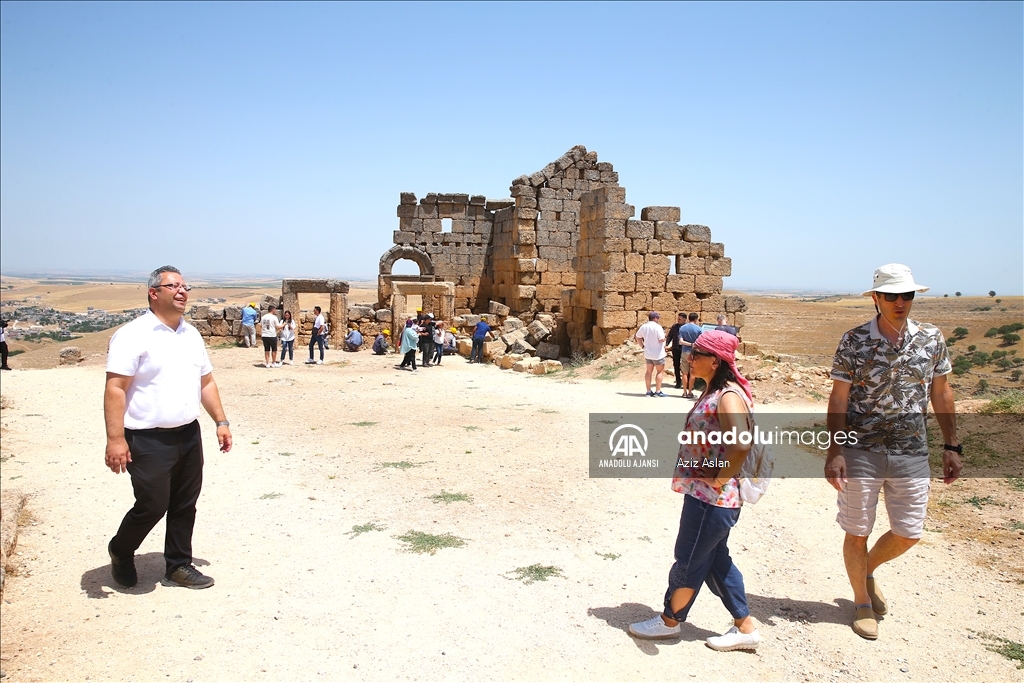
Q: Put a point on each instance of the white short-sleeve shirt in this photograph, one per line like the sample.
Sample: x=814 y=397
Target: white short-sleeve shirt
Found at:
x=166 y=367
x=653 y=336
x=268 y=325
x=318 y=323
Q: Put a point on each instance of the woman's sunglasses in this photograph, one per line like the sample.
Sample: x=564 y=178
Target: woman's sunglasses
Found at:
x=703 y=353
x=891 y=297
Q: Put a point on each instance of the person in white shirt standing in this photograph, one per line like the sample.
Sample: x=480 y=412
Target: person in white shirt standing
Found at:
x=319 y=332
x=269 y=327
x=288 y=338
x=652 y=335
x=158 y=374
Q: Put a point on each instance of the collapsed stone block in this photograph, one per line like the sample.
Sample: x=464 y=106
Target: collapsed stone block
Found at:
x=496 y=308
x=70 y=355
x=508 y=360
x=547 y=350
x=660 y=213
x=537 y=332
x=525 y=364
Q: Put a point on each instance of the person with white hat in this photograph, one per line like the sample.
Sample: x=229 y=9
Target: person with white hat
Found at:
x=884 y=373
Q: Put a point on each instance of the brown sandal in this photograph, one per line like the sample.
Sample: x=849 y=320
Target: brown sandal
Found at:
x=864 y=623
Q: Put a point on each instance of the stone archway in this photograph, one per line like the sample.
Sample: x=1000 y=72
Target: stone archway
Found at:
x=387 y=262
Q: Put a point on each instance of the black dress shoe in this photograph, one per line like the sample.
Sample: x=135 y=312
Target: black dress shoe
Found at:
x=122 y=568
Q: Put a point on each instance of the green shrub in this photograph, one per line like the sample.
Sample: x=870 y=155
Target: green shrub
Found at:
x=1010 y=339
x=992 y=332
x=960 y=332
x=1015 y=375
x=972 y=348
x=980 y=358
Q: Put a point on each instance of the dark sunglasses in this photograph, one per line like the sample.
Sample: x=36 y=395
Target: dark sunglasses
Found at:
x=890 y=297
x=703 y=353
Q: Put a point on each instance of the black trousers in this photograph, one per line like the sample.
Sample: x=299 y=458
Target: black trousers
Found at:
x=677 y=355
x=167 y=475
x=3 y=353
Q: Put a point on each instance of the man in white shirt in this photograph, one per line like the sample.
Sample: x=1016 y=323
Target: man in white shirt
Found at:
x=158 y=374
x=652 y=335
x=269 y=327
x=319 y=332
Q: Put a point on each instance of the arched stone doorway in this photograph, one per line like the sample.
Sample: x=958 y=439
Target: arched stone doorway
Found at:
x=387 y=262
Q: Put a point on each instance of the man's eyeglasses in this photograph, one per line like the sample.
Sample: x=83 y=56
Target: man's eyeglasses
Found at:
x=174 y=287
x=891 y=297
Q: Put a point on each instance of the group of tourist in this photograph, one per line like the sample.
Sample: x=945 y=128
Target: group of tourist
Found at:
x=679 y=341
x=159 y=373
x=284 y=329
x=428 y=336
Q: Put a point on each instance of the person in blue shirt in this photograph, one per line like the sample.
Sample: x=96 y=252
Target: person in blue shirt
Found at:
x=354 y=340
x=380 y=344
x=688 y=334
x=476 y=355
x=250 y=314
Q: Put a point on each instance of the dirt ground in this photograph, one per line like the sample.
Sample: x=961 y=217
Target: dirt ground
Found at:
x=303 y=594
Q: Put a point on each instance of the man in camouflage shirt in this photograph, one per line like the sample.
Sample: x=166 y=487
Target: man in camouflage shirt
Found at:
x=884 y=373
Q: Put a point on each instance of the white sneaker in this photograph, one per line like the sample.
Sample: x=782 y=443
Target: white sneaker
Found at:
x=276 y=365
x=310 y=362
x=734 y=640
x=654 y=628
x=319 y=362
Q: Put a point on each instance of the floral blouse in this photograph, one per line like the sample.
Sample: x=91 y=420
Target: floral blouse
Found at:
x=704 y=418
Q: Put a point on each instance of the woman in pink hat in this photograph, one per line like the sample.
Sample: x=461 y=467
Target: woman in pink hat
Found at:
x=708 y=476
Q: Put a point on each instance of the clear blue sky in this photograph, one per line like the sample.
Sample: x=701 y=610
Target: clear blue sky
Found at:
x=817 y=141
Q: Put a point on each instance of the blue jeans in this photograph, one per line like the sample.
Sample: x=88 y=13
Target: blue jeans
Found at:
x=702 y=556
x=314 y=341
x=477 y=353
x=288 y=349
x=438 y=353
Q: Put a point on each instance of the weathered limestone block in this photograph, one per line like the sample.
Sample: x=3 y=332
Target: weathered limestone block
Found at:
x=634 y=263
x=360 y=313
x=738 y=319
x=220 y=328
x=637 y=301
x=651 y=282
x=712 y=303
x=70 y=355
x=716 y=250
x=690 y=265
x=610 y=282
x=617 y=337
x=660 y=213
x=510 y=359
x=696 y=233
x=515 y=335
x=494 y=348
x=735 y=304
x=498 y=204
x=656 y=263
x=675 y=247
x=608 y=301
x=707 y=284
x=663 y=301
x=232 y=312
x=551 y=365
x=383 y=315
x=512 y=324
x=200 y=312
x=522 y=346
x=525 y=364
x=537 y=332
x=547 y=351
x=640 y=229
x=464 y=346
x=470 y=320
x=719 y=266
x=679 y=283
x=236 y=327
x=218 y=313
x=524 y=292
x=203 y=327
x=687 y=301
x=407 y=198
x=616 y=319
x=496 y=308
x=667 y=230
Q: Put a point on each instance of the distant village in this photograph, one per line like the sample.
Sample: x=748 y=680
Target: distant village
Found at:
x=29 y=321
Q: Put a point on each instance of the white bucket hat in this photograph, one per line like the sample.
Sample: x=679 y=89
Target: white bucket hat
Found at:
x=894 y=278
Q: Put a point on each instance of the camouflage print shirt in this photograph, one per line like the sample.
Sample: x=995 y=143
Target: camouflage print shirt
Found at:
x=891 y=384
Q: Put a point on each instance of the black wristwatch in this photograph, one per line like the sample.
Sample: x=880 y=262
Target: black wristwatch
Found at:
x=959 y=450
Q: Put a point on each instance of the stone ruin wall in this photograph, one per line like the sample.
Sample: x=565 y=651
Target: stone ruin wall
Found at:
x=566 y=245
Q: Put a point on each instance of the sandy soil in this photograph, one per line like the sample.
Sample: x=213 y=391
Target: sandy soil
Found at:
x=299 y=598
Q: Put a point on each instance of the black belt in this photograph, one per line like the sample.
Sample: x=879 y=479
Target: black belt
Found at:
x=154 y=430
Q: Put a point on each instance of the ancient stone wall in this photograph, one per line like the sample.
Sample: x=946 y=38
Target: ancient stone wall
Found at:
x=566 y=245
x=627 y=268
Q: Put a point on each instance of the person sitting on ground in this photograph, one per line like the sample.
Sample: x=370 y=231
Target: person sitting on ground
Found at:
x=449 y=342
x=380 y=344
x=354 y=339
x=722 y=327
